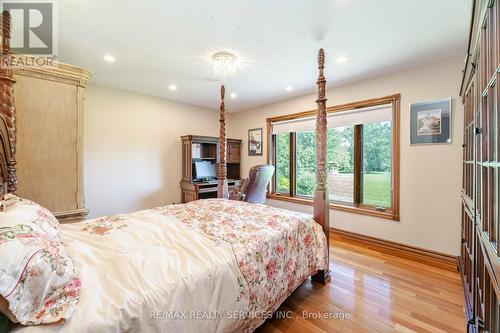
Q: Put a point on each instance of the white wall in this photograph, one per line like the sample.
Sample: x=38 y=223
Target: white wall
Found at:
x=133 y=148
x=430 y=175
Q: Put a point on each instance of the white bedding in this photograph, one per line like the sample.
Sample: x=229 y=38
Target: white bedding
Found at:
x=211 y=265
x=152 y=268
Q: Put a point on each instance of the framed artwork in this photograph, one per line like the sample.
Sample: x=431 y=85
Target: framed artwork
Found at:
x=430 y=122
x=255 y=142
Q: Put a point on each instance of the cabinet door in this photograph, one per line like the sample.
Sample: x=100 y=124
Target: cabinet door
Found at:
x=47 y=142
x=233 y=153
x=188 y=196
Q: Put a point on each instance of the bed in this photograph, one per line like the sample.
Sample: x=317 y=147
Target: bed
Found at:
x=211 y=265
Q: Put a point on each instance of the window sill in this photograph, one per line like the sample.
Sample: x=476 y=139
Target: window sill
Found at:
x=363 y=210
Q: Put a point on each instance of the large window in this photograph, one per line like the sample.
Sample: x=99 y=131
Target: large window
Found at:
x=362 y=157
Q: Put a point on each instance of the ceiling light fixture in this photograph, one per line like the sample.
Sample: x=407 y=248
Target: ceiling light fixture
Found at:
x=224 y=64
x=289 y=88
x=342 y=60
x=109 y=58
x=233 y=95
x=172 y=87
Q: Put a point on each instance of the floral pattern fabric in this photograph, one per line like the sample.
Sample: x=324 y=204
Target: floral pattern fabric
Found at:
x=276 y=250
x=18 y=207
x=150 y=276
x=37 y=277
x=225 y=255
x=105 y=224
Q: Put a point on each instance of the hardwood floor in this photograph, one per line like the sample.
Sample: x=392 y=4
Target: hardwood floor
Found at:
x=380 y=291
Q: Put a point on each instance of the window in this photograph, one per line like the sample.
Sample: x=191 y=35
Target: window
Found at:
x=362 y=157
x=306 y=163
x=282 y=165
x=376 y=169
x=340 y=158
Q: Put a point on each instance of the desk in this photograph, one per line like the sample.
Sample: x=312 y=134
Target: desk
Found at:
x=204 y=148
x=191 y=191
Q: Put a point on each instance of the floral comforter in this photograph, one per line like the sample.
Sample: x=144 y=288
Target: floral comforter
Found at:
x=147 y=272
x=276 y=249
x=206 y=266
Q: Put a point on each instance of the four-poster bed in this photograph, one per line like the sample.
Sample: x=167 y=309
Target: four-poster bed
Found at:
x=169 y=268
x=7 y=110
x=321 y=201
x=222 y=188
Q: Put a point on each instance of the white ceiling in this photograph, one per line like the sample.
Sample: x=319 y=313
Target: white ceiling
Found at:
x=162 y=42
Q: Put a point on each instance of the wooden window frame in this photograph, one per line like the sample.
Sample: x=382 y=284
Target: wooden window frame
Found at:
x=391 y=213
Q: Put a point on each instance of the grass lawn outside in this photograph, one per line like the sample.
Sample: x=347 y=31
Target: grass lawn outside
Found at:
x=377 y=189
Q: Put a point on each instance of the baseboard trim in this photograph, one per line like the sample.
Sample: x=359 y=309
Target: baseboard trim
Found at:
x=437 y=259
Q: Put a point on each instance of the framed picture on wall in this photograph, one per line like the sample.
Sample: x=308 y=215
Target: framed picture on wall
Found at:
x=430 y=122
x=255 y=142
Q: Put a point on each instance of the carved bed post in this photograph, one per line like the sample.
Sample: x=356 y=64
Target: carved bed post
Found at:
x=7 y=109
x=222 y=189
x=321 y=201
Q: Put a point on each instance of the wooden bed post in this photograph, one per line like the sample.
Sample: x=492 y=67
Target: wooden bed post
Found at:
x=7 y=109
x=222 y=188
x=321 y=201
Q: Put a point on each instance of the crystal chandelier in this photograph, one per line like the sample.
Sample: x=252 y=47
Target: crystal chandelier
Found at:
x=224 y=64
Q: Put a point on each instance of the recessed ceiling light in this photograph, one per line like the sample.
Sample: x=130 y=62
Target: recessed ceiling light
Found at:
x=233 y=95
x=109 y=58
x=289 y=88
x=172 y=87
x=342 y=60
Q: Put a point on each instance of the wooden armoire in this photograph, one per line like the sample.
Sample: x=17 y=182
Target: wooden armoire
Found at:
x=49 y=111
x=479 y=262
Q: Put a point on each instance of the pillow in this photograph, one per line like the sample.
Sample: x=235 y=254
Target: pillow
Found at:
x=37 y=278
x=29 y=210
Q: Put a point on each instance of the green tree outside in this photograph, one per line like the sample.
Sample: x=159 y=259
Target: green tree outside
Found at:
x=340 y=159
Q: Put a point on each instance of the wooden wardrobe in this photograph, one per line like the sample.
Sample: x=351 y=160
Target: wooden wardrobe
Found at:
x=49 y=110
x=480 y=253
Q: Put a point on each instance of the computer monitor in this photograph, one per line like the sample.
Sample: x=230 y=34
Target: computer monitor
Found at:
x=204 y=170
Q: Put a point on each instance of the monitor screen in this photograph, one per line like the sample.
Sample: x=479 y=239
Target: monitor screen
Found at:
x=204 y=169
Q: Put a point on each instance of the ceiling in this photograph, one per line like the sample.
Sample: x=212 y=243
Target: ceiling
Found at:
x=161 y=42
